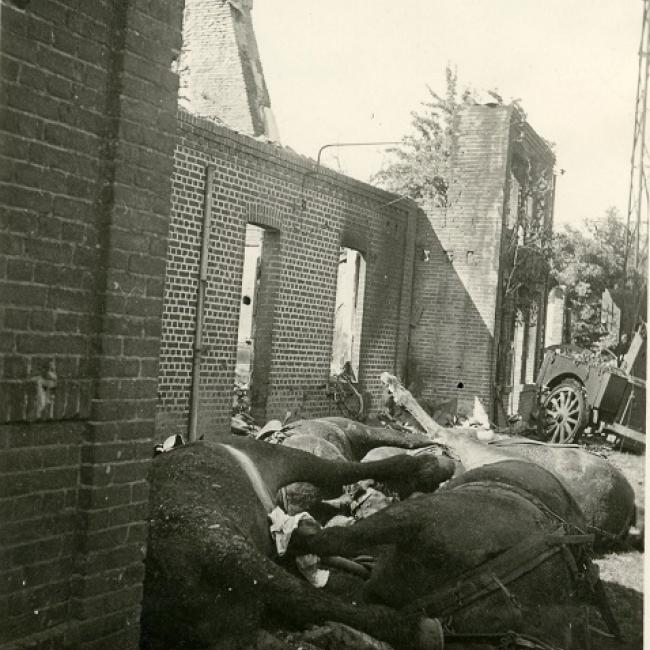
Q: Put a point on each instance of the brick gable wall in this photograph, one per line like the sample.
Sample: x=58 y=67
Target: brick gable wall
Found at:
x=456 y=281
x=221 y=73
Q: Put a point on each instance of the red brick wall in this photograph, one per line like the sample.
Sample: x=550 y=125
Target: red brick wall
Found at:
x=86 y=136
x=457 y=268
x=314 y=214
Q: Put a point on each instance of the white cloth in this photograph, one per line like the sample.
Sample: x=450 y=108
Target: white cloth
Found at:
x=308 y=565
x=282 y=527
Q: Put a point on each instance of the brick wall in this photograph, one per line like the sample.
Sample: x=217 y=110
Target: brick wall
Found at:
x=313 y=214
x=86 y=136
x=457 y=268
x=269 y=299
x=462 y=320
x=39 y=466
x=220 y=69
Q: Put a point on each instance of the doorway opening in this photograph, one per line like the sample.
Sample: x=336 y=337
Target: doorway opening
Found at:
x=350 y=290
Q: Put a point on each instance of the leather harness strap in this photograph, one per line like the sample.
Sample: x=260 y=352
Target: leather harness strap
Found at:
x=501 y=570
x=513 y=563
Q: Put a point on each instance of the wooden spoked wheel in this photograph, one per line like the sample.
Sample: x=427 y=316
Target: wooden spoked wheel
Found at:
x=565 y=412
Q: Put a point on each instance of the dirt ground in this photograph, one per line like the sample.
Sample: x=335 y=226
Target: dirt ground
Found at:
x=622 y=571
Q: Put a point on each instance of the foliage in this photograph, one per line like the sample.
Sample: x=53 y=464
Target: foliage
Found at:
x=420 y=167
x=586 y=262
x=528 y=244
x=422 y=170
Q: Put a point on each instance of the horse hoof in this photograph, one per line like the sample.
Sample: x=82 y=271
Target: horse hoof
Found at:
x=430 y=635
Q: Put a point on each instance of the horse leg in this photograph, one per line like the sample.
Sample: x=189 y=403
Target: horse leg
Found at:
x=233 y=572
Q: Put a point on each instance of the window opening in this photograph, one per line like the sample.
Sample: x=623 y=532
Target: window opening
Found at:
x=260 y=280
x=249 y=289
x=350 y=290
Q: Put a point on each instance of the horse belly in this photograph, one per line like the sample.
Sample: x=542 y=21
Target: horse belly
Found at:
x=463 y=530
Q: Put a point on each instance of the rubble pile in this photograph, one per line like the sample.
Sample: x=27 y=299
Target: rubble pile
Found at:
x=241 y=421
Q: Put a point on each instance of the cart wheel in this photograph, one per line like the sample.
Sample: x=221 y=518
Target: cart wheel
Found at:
x=565 y=412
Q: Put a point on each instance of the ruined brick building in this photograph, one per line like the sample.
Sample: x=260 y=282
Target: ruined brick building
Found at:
x=220 y=69
x=467 y=337
x=480 y=279
x=306 y=214
x=103 y=198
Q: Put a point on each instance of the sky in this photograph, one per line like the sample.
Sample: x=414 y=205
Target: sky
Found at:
x=353 y=70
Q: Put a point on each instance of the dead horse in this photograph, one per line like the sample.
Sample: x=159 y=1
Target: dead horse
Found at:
x=209 y=572
x=501 y=547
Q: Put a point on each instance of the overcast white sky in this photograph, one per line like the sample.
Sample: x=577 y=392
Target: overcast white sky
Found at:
x=352 y=70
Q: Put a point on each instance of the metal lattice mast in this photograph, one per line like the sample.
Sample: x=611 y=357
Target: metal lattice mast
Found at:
x=638 y=199
x=638 y=207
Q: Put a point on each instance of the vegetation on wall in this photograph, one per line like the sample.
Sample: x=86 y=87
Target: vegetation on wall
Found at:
x=528 y=248
x=420 y=168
